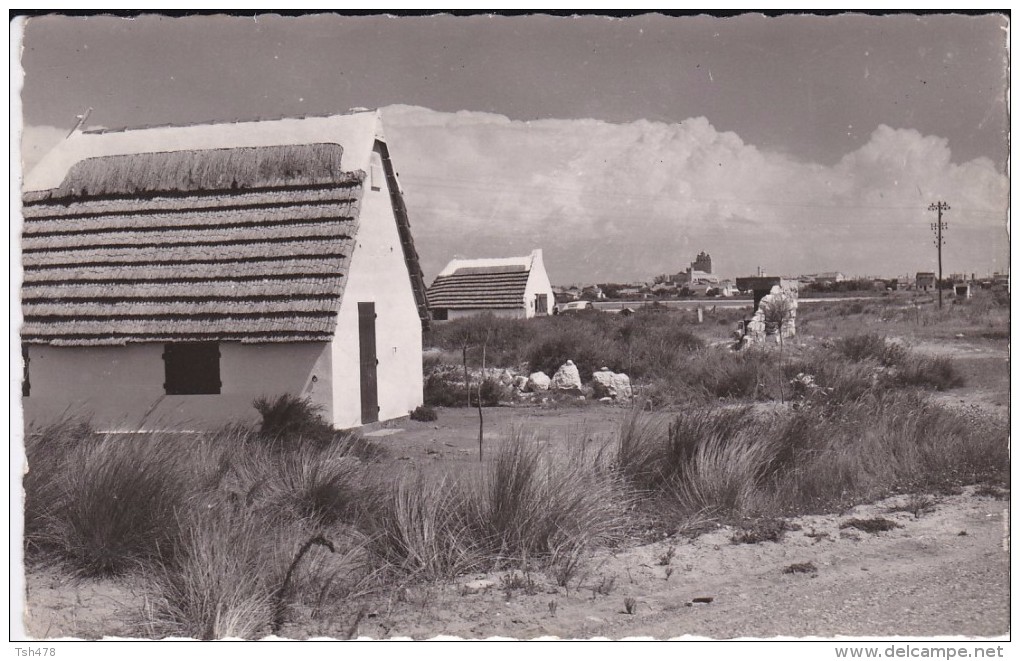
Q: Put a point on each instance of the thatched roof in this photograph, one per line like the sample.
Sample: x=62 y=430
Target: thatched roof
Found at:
x=479 y=288
x=249 y=244
x=203 y=170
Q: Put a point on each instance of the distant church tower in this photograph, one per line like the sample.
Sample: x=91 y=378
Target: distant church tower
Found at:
x=703 y=263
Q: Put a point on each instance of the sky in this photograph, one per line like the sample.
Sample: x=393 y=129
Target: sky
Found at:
x=621 y=147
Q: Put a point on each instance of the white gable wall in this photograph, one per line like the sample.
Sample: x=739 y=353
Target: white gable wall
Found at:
x=538 y=283
x=378 y=274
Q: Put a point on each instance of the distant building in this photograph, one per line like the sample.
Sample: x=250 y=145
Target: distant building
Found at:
x=962 y=290
x=832 y=276
x=924 y=280
x=506 y=287
x=703 y=263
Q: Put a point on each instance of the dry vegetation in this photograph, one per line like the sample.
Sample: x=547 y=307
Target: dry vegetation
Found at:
x=240 y=531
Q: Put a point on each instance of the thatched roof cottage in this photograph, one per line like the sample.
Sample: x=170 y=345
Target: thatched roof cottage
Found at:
x=506 y=287
x=172 y=275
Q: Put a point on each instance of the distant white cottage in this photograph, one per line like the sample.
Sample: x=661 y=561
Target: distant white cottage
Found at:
x=506 y=287
x=172 y=275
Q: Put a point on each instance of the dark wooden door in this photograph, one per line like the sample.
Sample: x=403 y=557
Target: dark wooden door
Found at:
x=369 y=363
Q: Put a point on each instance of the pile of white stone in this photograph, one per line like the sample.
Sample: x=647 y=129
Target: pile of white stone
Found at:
x=606 y=385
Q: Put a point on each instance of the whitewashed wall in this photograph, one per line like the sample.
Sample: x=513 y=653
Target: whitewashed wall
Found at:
x=122 y=387
x=378 y=274
x=538 y=283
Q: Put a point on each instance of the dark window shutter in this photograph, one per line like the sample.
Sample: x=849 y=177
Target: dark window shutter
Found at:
x=192 y=368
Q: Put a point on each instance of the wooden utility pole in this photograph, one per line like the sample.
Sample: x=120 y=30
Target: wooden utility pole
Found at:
x=939 y=206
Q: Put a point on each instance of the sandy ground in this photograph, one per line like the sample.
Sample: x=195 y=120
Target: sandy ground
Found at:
x=943 y=573
x=924 y=579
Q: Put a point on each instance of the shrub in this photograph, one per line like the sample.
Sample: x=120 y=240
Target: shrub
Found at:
x=225 y=583
x=117 y=505
x=423 y=528
x=288 y=417
x=810 y=459
x=871 y=346
x=424 y=413
x=47 y=449
x=530 y=505
x=935 y=372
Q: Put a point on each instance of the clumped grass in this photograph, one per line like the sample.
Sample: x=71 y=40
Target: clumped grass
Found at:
x=47 y=451
x=872 y=346
x=424 y=413
x=737 y=462
x=991 y=491
x=874 y=525
x=111 y=506
x=801 y=568
x=933 y=372
x=535 y=505
x=224 y=586
x=761 y=530
x=424 y=528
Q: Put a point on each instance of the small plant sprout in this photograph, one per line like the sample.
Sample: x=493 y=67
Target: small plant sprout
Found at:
x=669 y=572
x=630 y=605
x=552 y=607
x=667 y=557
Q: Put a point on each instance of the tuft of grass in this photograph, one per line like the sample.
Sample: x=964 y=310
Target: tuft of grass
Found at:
x=424 y=413
x=873 y=525
x=916 y=504
x=991 y=491
x=801 y=568
x=224 y=587
x=534 y=505
x=630 y=605
x=47 y=450
x=933 y=372
x=424 y=528
x=761 y=530
x=113 y=505
x=872 y=346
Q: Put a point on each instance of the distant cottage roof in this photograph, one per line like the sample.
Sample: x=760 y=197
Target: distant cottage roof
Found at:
x=250 y=244
x=481 y=283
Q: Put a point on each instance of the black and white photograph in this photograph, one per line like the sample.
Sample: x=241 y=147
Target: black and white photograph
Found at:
x=514 y=326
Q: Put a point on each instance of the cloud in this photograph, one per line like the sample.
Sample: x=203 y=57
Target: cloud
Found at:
x=626 y=201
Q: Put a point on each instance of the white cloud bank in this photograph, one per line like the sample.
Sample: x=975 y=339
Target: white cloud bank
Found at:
x=628 y=201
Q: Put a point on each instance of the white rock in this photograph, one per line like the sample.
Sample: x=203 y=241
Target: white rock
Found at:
x=567 y=377
x=609 y=384
x=538 y=382
x=602 y=382
x=622 y=387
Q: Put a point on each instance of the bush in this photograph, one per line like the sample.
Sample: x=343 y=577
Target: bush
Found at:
x=47 y=449
x=114 y=505
x=871 y=346
x=226 y=582
x=534 y=506
x=935 y=372
x=424 y=413
x=289 y=417
x=810 y=459
x=424 y=528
